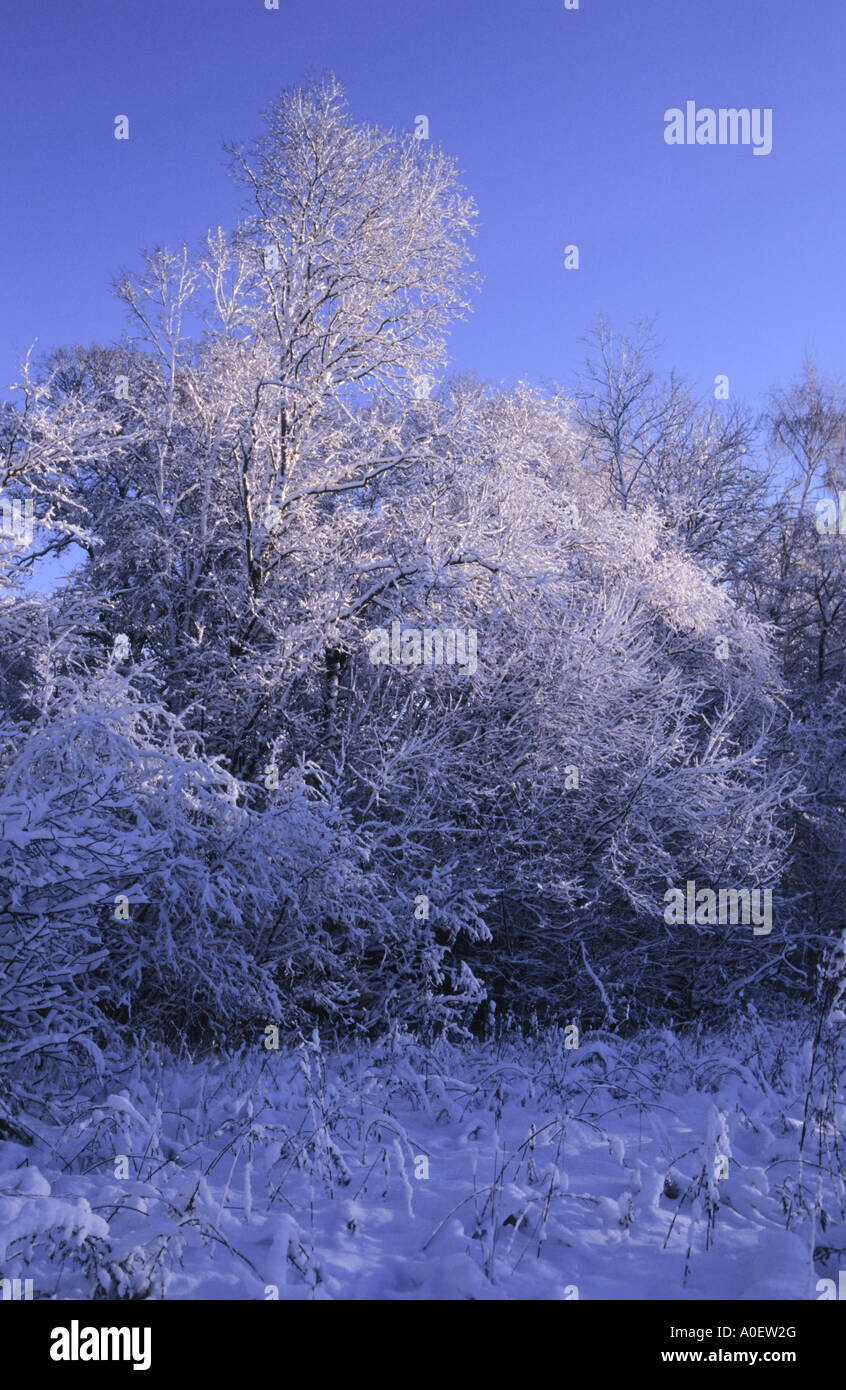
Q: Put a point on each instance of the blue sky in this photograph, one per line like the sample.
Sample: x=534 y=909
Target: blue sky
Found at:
x=556 y=117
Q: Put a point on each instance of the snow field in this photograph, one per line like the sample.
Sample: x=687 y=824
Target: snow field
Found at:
x=653 y=1169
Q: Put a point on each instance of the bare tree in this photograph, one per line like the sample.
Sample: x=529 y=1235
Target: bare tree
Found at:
x=655 y=443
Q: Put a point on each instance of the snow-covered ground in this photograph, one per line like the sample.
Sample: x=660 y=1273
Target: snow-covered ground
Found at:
x=654 y=1169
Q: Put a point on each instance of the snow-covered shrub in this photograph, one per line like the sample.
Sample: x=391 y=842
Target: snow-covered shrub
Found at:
x=56 y=855
x=150 y=890
x=36 y=1224
x=130 y=830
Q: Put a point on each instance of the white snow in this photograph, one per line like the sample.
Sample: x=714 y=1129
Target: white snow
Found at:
x=517 y=1170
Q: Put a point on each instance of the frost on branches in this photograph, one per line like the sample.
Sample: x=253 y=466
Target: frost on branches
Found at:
x=219 y=816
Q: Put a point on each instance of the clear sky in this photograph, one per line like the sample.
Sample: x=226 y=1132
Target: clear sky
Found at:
x=556 y=117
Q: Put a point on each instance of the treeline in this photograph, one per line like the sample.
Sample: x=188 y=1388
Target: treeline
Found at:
x=219 y=812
